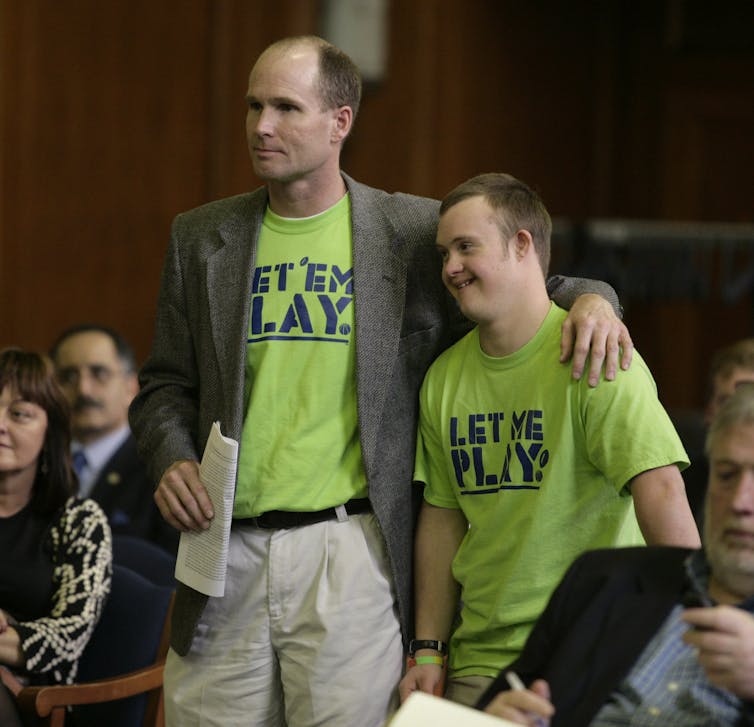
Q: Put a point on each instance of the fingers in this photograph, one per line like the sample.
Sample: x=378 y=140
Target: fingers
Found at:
x=723 y=638
x=542 y=688
x=182 y=498
x=702 y=618
x=722 y=618
x=590 y=343
x=408 y=685
x=424 y=678
x=706 y=634
x=626 y=345
x=719 y=621
x=619 y=349
x=522 y=707
x=600 y=337
x=567 y=336
x=603 y=342
x=729 y=670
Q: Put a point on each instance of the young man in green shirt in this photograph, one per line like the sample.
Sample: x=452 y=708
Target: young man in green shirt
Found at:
x=524 y=468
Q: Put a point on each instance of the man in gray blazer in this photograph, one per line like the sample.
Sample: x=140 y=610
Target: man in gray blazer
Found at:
x=303 y=317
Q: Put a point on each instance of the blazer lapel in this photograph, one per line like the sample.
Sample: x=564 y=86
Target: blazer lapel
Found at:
x=379 y=292
x=229 y=278
x=632 y=622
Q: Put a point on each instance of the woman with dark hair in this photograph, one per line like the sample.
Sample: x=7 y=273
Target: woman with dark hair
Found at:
x=55 y=549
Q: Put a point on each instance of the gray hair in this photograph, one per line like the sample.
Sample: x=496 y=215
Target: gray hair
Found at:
x=737 y=410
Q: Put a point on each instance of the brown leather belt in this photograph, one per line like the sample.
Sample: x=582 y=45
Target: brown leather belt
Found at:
x=284 y=519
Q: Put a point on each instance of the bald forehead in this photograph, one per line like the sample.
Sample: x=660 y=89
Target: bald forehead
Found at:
x=293 y=45
x=286 y=76
x=300 y=51
x=294 y=65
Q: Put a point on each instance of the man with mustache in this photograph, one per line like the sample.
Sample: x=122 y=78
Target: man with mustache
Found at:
x=96 y=368
x=654 y=635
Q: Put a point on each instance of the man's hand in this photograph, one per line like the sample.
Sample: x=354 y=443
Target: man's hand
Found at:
x=182 y=498
x=526 y=706
x=420 y=678
x=593 y=328
x=724 y=639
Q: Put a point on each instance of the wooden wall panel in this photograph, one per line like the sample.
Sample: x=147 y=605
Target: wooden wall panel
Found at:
x=105 y=136
x=706 y=174
x=484 y=86
x=394 y=142
x=687 y=135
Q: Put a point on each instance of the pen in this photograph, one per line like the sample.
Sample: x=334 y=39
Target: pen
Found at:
x=514 y=682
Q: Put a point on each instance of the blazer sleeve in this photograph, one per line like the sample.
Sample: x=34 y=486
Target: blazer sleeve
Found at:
x=164 y=414
x=564 y=291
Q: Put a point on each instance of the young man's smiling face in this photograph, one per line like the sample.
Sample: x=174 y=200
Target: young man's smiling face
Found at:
x=477 y=261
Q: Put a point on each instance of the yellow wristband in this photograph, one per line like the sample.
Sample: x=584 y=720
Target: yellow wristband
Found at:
x=429 y=660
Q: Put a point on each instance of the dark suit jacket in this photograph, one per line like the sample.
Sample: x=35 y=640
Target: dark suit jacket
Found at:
x=604 y=612
x=125 y=491
x=403 y=319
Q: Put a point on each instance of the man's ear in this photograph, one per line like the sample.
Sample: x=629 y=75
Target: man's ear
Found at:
x=343 y=118
x=132 y=384
x=522 y=244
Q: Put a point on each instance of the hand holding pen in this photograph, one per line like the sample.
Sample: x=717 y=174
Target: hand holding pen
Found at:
x=521 y=705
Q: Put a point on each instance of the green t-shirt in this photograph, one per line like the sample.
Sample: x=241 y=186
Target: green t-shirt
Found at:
x=299 y=447
x=539 y=464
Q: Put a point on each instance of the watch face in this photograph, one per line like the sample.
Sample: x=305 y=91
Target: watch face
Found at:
x=417 y=644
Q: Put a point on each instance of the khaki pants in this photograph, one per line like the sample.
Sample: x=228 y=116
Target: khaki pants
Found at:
x=306 y=634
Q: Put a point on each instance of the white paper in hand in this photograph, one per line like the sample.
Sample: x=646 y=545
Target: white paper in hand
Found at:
x=203 y=556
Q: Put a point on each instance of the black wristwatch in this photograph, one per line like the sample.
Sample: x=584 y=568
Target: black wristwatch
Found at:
x=416 y=644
